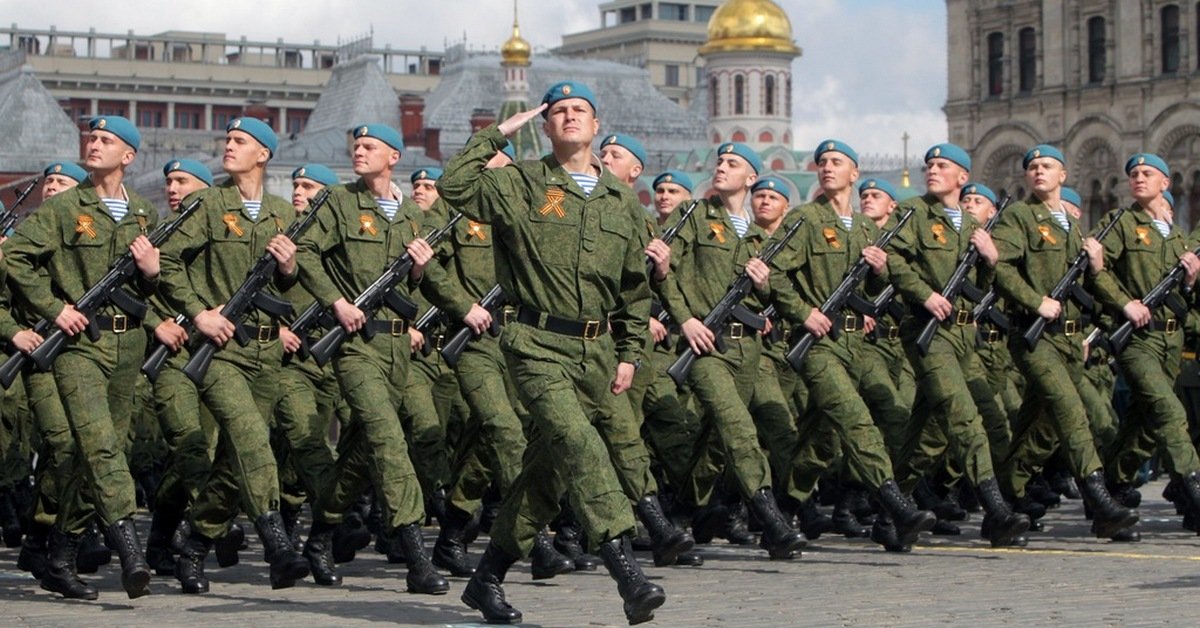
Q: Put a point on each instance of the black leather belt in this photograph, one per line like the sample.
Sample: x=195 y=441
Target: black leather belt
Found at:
x=117 y=324
x=505 y=316
x=261 y=333
x=1171 y=325
x=436 y=340
x=736 y=331
x=887 y=332
x=588 y=330
x=992 y=335
x=960 y=318
x=393 y=327
x=850 y=322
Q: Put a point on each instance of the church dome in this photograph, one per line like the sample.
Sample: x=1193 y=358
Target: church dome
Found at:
x=749 y=25
x=516 y=50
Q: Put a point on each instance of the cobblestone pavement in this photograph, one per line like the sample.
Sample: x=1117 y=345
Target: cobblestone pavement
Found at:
x=1063 y=578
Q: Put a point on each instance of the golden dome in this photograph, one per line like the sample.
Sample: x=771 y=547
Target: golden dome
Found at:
x=749 y=25
x=516 y=50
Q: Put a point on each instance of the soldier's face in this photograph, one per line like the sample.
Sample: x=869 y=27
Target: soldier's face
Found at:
x=425 y=192
x=55 y=183
x=371 y=156
x=768 y=207
x=979 y=206
x=179 y=185
x=303 y=189
x=733 y=174
x=106 y=152
x=243 y=153
x=1045 y=174
x=876 y=205
x=943 y=176
x=1147 y=183
x=571 y=121
x=667 y=196
x=836 y=172
x=621 y=163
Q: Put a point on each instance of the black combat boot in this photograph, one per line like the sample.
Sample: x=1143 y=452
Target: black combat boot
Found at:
x=1038 y=489
x=1003 y=525
x=640 y=595
x=159 y=555
x=484 y=592
x=61 y=576
x=568 y=540
x=813 y=523
x=350 y=536
x=318 y=553
x=422 y=576
x=667 y=540
x=450 y=549
x=844 y=521
x=33 y=550
x=93 y=553
x=291 y=523
x=928 y=499
x=9 y=521
x=547 y=562
x=189 y=567
x=287 y=566
x=945 y=528
x=1189 y=488
x=909 y=521
x=883 y=532
x=1125 y=494
x=737 y=524
x=708 y=521
x=779 y=538
x=1108 y=517
x=135 y=573
x=226 y=547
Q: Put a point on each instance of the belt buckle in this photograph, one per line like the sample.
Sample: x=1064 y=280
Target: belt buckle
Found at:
x=591 y=330
x=893 y=332
x=1172 y=326
x=264 y=333
x=437 y=342
x=736 y=331
x=1070 y=328
x=993 y=335
x=399 y=326
x=850 y=323
x=962 y=317
x=509 y=315
x=120 y=324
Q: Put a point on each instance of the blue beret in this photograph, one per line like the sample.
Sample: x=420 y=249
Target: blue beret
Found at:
x=878 y=184
x=673 y=176
x=1170 y=198
x=120 y=127
x=1071 y=196
x=743 y=151
x=565 y=90
x=773 y=183
x=979 y=189
x=835 y=146
x=430 y=174
x=952 y=152
x=628 y=143
x=190 y=166
x=1043 y=150
x=317 y=172
x=66 y=169
x=381 y=132
x=259 y=130
x=510 y=150
x=1147 y=159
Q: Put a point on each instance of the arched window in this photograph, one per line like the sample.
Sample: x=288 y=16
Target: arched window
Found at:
x=738 y=136
x=713 y=97
x=739 y=94
x=1027 y=58
x=1097 y=52
x=995 y=64
x=769 y=98
x=766 y=138
x=1170 y=39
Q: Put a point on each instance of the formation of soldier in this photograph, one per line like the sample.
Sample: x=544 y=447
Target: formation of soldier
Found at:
x=521 y=349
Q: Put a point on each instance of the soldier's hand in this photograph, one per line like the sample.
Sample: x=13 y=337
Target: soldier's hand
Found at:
x=171 y=334
x=658 y=331
x=420 y=252
x=212 y=324
x=987 y=249
x=868 y=324
x=701 y=338
x=478 y=319
x=624 y=378
x=1095 y=252
x=817 y=323
x=1049 y=309
x=1137 y=313
x=348 y=315
x=145 y=256
x=1192 y=264
x=518 y=120
x=758 y=272
x=416 y=340
x=27 y=340
x=290 y=341
x=284 y=251
x=71 y=320
x=660 y=253
x=939 y=306
x=876 y=258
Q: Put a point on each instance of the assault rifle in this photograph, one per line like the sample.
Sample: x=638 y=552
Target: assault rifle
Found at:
x=453 y=348
x=430 y=319
x=8 y=218
x=1161 y=294
x=730 y=306
x=158 y=357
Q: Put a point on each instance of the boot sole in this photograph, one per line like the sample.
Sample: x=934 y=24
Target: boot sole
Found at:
x=288 y=579
x=546 y=574
x=909 y=535
x=470 y=601
x=671 y=552
x=91 y=595
x=642 y=610
x=1109 y=529
x=1005 y=538
x=137 y=584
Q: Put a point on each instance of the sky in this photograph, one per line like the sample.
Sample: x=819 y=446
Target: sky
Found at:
x=871 y=69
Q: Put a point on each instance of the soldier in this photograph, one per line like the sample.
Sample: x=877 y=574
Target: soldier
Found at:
x=367 y=224
x=1138 y=252
x=309 y=179
x=204 y=264
x=60 y=176
x=926 y=253
x=570 y=243
x=51 y=263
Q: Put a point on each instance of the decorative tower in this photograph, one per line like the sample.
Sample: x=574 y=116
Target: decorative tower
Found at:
x=748 y=64
x=514 y=58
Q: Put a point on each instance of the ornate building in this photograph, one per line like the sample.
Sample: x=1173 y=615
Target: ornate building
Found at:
x=1099 y=78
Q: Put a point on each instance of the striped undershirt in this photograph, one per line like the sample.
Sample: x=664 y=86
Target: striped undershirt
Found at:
x=117 y=208
x=389 y=207
x=740 y=225
x=252 y=208
x=955 y=216
x=847 y=221
x=1061 y=218
x=1163 y=227
x=586 y=181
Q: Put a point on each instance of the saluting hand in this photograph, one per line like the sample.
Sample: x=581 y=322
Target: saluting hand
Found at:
x=660 y=253
x=518 y=120
x=145 y=256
